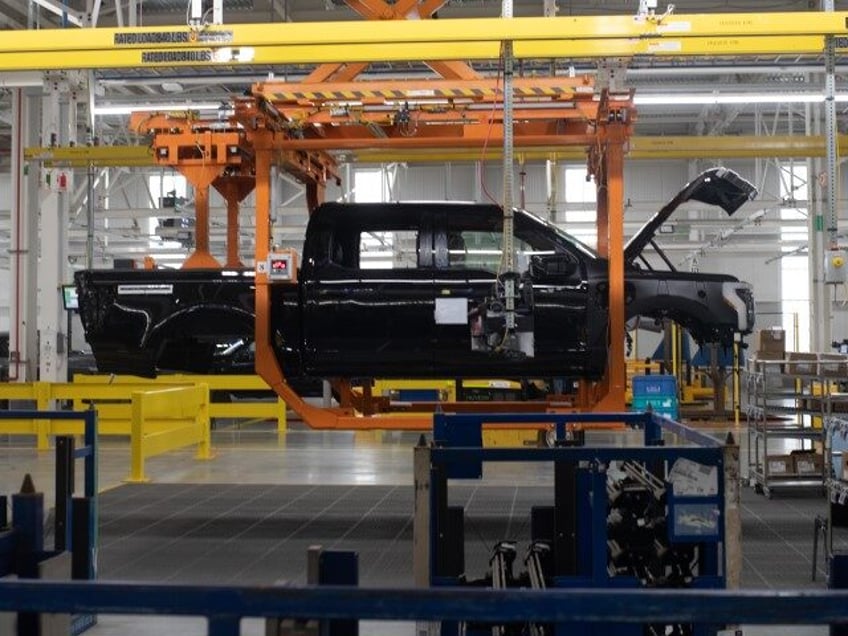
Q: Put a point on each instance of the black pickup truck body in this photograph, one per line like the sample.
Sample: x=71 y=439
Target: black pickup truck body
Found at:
x=413 y=311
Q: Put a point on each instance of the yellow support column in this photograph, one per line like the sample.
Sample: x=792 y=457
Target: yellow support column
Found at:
x=204 y=448
x=42 y=427
x=282 y=417
x=137 y=440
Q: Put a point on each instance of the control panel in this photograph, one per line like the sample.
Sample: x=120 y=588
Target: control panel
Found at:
x=282 y=265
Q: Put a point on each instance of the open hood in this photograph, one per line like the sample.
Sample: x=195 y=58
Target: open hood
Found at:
x=716 y=186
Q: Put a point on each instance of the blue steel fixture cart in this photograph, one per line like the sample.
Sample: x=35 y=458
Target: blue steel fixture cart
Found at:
x=637 y=517
x=22 y=551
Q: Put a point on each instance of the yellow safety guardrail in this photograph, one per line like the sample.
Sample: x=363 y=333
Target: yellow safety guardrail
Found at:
x=251 y=409
x=167 y=419
x=112 y=395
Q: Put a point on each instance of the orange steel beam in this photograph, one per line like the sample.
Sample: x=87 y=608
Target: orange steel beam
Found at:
x=430 y=7
x=267 y=365
x=201 y=155
x=478 y=89
x=201 y=177
x=234 y=188
x=335 y=72
x=224 y=159
x=381 y=10
x=462 y=139
x=422 y=120
x=606 y=162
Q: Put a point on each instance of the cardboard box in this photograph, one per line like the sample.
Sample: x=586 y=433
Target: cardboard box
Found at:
x=780 y=465
x=802 y=363
x=808 y=462
x=833 y=365
x=771 y=341
x=768 y=355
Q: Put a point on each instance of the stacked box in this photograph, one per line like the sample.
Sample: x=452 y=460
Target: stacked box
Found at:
x=833 y=365
x=657 y=392
x=802 y=363
x=780 y=465
x=771 y=344
x=808 y=462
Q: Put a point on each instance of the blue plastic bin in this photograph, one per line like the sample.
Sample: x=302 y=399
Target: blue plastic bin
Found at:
x=657 y=391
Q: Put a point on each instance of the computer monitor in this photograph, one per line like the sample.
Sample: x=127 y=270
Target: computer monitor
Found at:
x=69 y=297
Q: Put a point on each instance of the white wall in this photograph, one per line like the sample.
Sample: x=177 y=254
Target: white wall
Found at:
x=5 y=206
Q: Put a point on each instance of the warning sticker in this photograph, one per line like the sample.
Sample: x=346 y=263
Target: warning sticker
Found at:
x=173 y=37
x=188 y=56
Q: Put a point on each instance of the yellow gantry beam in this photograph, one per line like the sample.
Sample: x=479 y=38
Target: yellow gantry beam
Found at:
x=641 y=147
x=421 y=40
x=96 y=156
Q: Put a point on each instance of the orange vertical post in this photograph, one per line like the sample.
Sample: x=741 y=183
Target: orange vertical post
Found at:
x=201 y=215
x=201 y=177
x=233 y=259
x=234 y=188
x=611 y=201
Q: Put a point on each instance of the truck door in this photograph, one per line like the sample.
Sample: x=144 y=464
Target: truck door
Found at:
x=468 y=255
x=368 y=311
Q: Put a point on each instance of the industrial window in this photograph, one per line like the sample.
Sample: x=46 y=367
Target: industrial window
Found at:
x=794 y=270
x=388 y=249
x=371 y=185
x=167 y=190
x=581 y=214
x=471 y=249
x=172 y=229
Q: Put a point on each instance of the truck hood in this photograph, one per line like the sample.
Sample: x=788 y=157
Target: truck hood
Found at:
x=717 y=186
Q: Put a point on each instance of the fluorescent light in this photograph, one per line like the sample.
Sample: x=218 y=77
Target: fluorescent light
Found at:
x=60 y=10
x=732 y=98
x=149 y=108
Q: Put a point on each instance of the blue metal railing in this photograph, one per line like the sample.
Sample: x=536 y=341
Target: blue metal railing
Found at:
x=446 y=425
x=225 y=606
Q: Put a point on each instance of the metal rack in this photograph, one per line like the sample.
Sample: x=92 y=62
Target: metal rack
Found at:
x=836 y=444
x=784 y=406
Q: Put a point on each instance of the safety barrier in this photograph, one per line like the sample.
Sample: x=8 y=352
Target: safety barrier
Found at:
x=225 y=606
x=167 y=419
x=111 y=396
x=247 y=407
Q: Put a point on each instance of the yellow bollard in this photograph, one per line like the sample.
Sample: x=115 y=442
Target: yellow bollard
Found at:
x=282 y=422
x=42 y=427
x=137 y=440
x=204 y=448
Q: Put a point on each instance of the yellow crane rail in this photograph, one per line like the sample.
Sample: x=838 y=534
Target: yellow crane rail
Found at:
x=422 y=40
x=641 y=147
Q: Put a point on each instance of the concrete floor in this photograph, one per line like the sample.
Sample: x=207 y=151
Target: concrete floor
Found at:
x=251 y=456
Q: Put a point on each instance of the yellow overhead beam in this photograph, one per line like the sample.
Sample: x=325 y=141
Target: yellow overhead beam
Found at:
x=97 y=156
x=424 y=40
x=426 y=51
x=431 y=31
x=641 y=147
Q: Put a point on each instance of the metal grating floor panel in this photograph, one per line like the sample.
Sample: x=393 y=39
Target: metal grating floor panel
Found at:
x=259 y=534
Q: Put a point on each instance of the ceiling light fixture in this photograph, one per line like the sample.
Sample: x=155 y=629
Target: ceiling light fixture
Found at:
x=682 y=99
x=61 y=10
